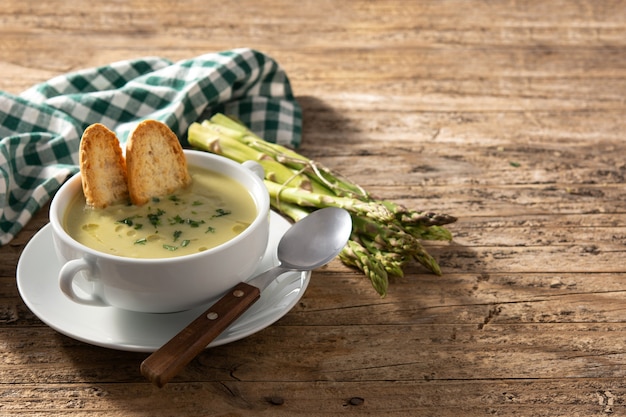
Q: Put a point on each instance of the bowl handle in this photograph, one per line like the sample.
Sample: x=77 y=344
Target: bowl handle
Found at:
x=66 y=282
x=255 y=167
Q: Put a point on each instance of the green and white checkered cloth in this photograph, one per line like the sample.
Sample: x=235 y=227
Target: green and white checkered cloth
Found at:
x=40 y=129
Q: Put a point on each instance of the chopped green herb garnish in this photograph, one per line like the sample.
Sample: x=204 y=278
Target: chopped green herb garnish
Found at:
x=155 y=218
x=185 y=242
x=141 y=241
x=194 y=223
x=174 y=198
x=197 y=203
x=170 y=247
x=128 y=221
x=210 y=229
x=177 y=234
x=138 y=226
x=176 y=220
x=221 y=212
x=156 y=199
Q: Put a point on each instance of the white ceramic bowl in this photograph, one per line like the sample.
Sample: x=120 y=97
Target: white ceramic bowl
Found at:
x=169 y=284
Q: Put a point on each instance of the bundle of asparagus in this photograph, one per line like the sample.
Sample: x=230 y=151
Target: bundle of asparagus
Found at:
x=385 y=236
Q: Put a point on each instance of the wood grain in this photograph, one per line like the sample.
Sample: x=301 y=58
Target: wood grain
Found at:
x=507 y=114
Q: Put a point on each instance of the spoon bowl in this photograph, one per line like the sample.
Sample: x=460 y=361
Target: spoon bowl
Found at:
x=315 y=240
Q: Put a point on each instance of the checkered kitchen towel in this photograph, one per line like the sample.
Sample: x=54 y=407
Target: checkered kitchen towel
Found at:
x=40 y=129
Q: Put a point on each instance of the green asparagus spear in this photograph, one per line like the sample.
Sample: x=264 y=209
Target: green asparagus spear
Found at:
x=206 y=138
x=356 y=255
x=318 y=172
x=309 y=199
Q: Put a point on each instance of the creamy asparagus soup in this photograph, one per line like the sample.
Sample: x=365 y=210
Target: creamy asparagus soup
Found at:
x=213 y=210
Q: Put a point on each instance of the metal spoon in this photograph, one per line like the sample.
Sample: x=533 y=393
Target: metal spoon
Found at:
x=308 y=244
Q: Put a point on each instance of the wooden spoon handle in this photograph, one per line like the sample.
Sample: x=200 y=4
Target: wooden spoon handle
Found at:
x=173 y=356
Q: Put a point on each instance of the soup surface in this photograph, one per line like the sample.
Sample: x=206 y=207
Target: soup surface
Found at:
x=213 y=210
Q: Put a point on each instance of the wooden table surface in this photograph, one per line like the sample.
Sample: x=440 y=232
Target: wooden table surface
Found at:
x=507 y=114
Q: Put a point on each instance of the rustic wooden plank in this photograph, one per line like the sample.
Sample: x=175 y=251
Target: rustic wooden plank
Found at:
x=354 y=353
x=578 y=397
x=446 y=38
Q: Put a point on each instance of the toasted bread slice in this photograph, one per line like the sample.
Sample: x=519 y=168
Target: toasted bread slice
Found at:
x=155 y=162
x=102 y=166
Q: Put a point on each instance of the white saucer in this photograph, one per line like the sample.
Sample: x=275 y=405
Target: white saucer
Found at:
x=109 y=327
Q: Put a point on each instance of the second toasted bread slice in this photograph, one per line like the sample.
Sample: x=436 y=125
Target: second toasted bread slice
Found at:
x=102 y=166
x=155 y=162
